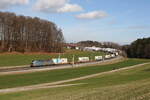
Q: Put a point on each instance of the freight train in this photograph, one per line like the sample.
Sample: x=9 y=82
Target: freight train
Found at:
x=61 y=61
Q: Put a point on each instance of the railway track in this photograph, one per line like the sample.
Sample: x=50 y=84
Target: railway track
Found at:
x=28 y=68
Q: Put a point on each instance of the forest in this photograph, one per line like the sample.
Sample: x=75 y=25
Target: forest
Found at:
x=27 y=34
x=138 y=49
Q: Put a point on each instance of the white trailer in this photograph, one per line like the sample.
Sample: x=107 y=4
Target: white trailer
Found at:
x=112 y=55
x=116 y=53
x=83 y=59
x=98 y=58
x=56 y=60
x=107 y=56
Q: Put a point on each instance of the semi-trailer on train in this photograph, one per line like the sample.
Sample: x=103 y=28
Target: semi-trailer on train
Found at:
x=61 y=61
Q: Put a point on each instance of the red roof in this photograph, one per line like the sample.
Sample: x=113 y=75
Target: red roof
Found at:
x=72 y=45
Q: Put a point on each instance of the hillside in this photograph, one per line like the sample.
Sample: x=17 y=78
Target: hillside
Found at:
x=128 y=84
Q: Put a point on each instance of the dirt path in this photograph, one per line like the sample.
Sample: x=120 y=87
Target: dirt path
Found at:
x=56 y=84
x=36 y=87
x=115 y=60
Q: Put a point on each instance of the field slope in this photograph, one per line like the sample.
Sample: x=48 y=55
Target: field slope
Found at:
x=132 y=84
x=17 y=80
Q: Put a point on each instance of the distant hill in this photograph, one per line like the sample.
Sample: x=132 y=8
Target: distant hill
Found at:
x=90 y=43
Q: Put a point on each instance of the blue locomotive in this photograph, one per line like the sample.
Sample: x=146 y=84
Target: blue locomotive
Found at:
x=55 y=61
x=39 y=63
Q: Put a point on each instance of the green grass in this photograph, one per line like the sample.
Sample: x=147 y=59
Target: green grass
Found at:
x=8 y=81
x=133 y=84
x=26 y=59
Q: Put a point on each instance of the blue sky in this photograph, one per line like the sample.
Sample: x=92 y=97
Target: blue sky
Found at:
x=121 y=21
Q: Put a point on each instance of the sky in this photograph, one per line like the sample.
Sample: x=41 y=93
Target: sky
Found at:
x=120 y=21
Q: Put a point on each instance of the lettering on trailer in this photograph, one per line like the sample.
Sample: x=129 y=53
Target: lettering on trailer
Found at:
x=64 y=60
x=56 y=60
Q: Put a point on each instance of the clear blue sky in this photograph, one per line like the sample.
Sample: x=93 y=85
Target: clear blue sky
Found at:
x=121 y=21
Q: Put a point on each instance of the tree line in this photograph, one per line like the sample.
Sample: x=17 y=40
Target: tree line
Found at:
x=27 y=34
x=138 y=49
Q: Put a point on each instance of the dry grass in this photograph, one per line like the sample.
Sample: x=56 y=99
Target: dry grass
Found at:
x=133 y=84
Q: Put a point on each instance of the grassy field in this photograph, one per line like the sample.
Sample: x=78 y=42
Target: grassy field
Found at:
x=132 y=84
x=8 y=81
x=26 y=59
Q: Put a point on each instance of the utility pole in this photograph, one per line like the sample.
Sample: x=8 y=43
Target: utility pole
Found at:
x=91 y=58
x=73 y=61
x=59 y=56
x=58 y=59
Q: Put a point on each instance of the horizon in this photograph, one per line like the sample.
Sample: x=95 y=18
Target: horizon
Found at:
x=116 y=21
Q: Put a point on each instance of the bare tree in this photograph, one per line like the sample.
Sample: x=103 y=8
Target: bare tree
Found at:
x=27 y=34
